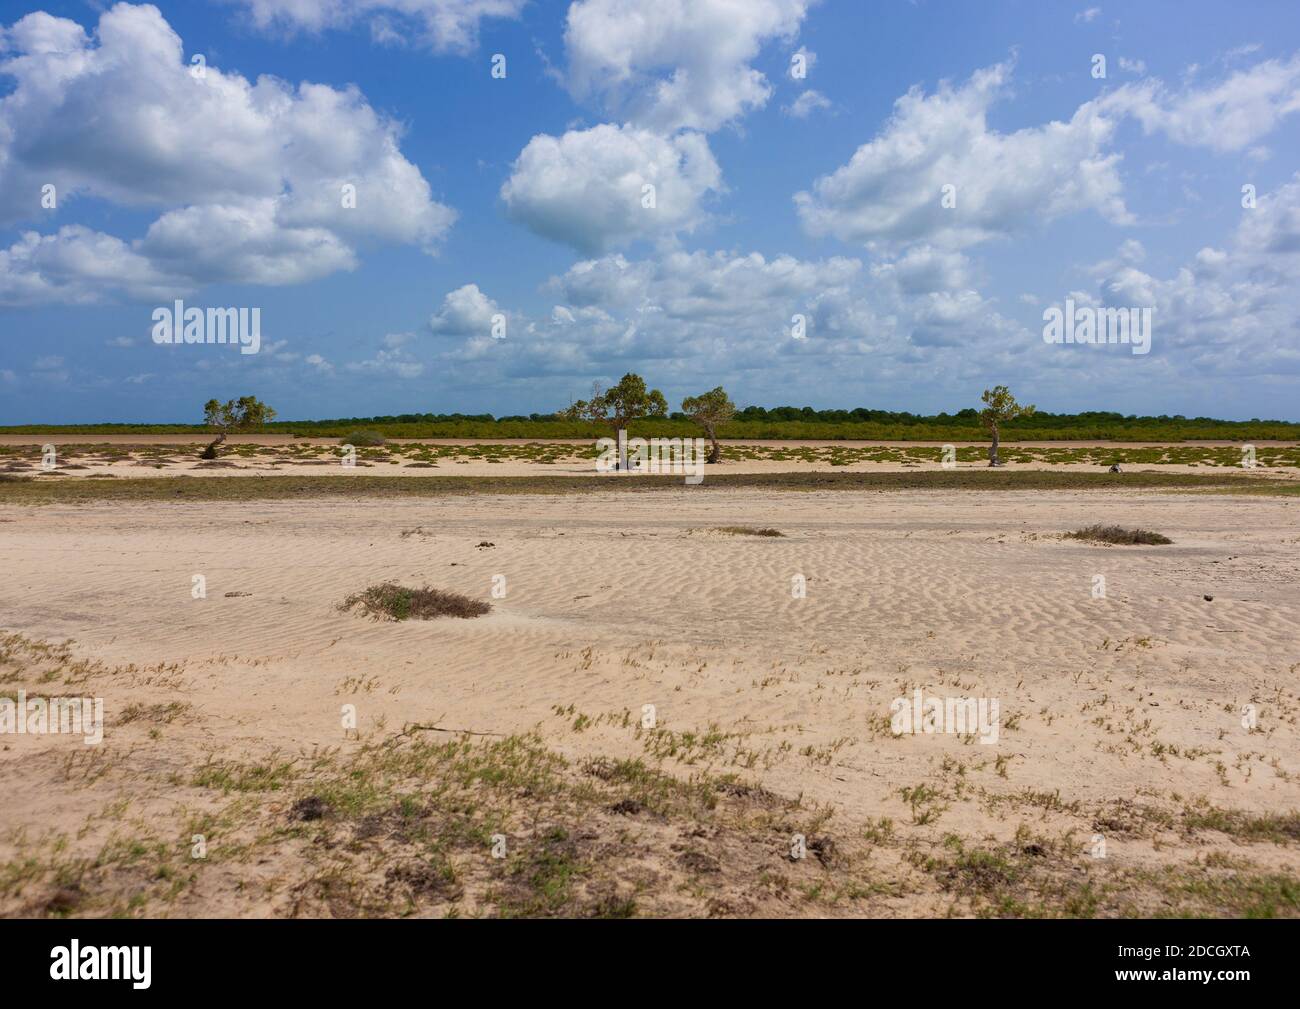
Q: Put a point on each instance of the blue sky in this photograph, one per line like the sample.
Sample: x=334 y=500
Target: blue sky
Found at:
x=517 y=204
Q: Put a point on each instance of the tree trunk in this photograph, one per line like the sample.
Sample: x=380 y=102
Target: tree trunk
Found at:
x=993 y=449
x=715 y=453
x=211 y=451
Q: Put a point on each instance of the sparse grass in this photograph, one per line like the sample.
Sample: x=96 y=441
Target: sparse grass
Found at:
x=747 y=531
x=1118 y=535
x=1280 y=828
x=227 y=776
x=24 y=490
x=390 y=601
x=418 y=824
x=157 y=713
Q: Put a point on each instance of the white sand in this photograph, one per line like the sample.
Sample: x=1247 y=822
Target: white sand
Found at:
x=618 y=601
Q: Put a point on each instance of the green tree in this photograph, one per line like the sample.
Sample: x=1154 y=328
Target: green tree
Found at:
x=710 y=410
x=999 y=408
x=244 y=414
x=620 y=405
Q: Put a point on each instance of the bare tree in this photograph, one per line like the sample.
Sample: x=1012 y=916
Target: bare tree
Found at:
x=710 y=410
x=999 y=407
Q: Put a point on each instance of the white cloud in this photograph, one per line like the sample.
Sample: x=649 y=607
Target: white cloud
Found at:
x=1130 y=253
x=681 y=315
x=720 y=287
x=249 y=176
x=807 y=103
x=1085 y=16
x=587 y=188
x=1226 y=116
x=442 y=25
x=1230 y=312
x=1273 y=227
x=396 y=362
x=76 y=265
x=675 y=63
x=890 y=191
x=924 y=269
x=466 y=311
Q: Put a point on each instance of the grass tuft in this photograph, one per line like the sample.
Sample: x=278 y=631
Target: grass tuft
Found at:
x=1116 y=534
x=390 y=601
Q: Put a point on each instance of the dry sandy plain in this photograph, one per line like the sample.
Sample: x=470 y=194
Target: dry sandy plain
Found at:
x=1147 y=760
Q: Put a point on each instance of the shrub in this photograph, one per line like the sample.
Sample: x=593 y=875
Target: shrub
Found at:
x=1115 y=534
x=363 y=439
x=389 y=601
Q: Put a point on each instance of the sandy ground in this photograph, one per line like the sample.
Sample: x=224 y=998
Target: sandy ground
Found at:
x=1114 y=712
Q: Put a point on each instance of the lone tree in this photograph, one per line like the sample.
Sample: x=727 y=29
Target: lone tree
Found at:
x=710 y=410
x=999 y=407
x=620 y=405
x=243 y=414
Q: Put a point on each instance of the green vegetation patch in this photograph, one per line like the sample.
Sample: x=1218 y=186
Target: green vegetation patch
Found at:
x=1119 y=536
x=389 y=601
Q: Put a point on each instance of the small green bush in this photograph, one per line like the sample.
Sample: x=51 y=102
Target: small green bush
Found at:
x=1116 y=534
x=389 y=601
x=363 y=439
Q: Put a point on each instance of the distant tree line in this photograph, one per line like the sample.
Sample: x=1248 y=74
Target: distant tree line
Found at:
x=632 y=406
x=1041 y=419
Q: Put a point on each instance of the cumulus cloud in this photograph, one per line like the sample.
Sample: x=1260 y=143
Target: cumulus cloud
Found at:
x=697 y=286
x=806 y=104
x=675 y=63
x=259 y=182
x=1273 y=227
x=680 y=315
x=1227 y=116
x=76 y=265
x=441 y=25
x=587 y=188
x=1229 y=312
x=925 y=269
x=466 y=311
x=391 y=361
x=891 y=189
